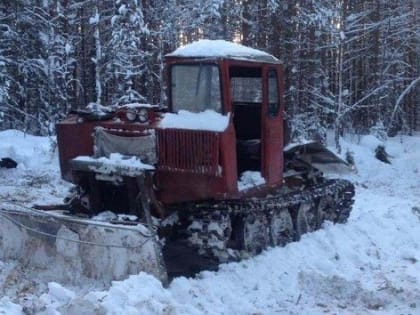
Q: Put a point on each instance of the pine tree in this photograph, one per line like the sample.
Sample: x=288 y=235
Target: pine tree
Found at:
x=127 y=60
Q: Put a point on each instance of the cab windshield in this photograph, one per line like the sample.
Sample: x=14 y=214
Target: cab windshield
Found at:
x=195 y=88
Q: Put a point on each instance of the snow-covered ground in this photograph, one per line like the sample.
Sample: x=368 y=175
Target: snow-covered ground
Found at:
x=371 y=265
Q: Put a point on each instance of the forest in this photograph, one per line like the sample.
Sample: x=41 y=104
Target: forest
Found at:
x=352 y=66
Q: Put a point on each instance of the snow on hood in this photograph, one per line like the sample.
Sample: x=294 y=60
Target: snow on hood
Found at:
x=207 y=120
x=221 y=48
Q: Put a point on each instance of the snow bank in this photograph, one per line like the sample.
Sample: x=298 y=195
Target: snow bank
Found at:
x=37 y=176
x=9 y=308
x=140 y=293
x=207 y=120
x=57 y=295
x=30 y=152
x=370 y=265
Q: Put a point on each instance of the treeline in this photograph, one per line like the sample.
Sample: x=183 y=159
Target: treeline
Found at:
x=350 y=65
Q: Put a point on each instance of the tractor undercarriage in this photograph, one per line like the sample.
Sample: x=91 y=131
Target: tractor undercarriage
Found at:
x=226 y=231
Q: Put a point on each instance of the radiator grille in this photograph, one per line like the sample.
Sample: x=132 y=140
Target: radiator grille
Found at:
x=192 y=151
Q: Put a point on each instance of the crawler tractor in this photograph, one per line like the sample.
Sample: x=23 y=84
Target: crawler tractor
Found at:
x=210 y=176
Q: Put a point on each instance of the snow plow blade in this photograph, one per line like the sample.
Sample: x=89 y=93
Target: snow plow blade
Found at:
x=70 y=250
x=317 y=155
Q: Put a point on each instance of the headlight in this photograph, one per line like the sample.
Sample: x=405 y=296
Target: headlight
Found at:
x=131 y=115
x=143 y=115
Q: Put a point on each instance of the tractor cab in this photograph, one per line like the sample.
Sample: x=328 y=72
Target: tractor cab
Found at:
x=244 y=84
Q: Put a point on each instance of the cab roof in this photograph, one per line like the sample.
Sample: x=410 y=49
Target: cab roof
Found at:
x=216 y=49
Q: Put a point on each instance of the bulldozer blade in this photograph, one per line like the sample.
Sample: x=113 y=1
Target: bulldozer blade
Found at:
x=317 y=155
x=71 y=250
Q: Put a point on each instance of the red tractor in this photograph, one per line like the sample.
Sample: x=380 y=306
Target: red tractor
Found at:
x=210 y=172
x=217 y=156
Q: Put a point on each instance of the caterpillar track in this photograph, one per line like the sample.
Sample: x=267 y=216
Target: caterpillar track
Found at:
x=217 y=232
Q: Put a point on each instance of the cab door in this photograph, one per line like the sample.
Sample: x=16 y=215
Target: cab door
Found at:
x=272 y=124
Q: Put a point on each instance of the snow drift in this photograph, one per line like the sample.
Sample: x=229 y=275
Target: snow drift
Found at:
x=370 y=265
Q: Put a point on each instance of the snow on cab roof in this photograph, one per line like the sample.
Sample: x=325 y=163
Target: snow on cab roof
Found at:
x=206 y=48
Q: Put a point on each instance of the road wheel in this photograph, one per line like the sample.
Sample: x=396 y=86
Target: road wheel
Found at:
x=281 y=228
x=306 y=219
x=327 y=210
x=254 y=233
